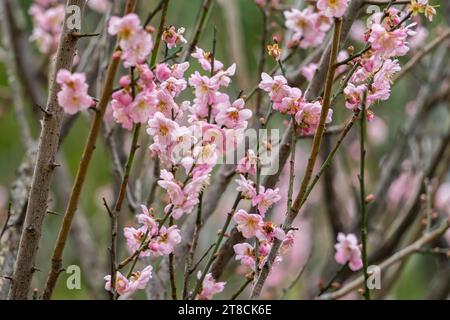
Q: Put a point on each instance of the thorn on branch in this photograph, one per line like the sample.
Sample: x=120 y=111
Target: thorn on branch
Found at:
x=34 y=269
x=54 y=213
x=45 y=112
x=84 y=35
x=7 y=278
x=54 y=165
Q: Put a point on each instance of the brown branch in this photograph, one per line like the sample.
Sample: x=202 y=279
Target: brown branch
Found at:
x=42 y=177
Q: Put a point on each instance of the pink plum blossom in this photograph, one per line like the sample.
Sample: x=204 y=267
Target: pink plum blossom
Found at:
x=73 y=96
x=276 y=86
x=205 y=60
x=122 y=285
x=171 y=36
x=210 y=287
x=265 y=199
x=233 y=116
x=348 y=251
x=248 y=224
x=139 y=279
x=246 y=254
x=332 y=8
x=245 y=187
x=308 y=117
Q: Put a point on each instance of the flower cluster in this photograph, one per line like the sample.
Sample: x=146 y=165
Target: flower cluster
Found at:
x=134 y=41
x=387 y=40
x=211 y=131
x=48 y=16
x=348 y=251
x=73 y=96
x=149 y=239
x=288 y=100
x=160 y=240
x=252 y=225
x=308 y=27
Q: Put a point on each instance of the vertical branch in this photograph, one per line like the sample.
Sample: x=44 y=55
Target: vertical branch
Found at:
x=292 y=214
x=82 y=170
x=45 y=165
x=361 y=177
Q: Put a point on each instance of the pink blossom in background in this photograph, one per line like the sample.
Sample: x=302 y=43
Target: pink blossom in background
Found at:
x=100 y=6
x=309 y=27
x=309 y=70
x=442 y=198
x=400 y=190
x=378 y=131
x=48 y=16
x=332 y=8
x=348 y=251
